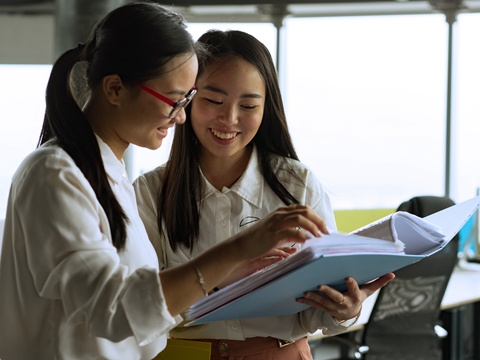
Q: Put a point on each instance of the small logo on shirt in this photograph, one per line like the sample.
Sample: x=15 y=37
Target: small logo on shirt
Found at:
x=248 y=220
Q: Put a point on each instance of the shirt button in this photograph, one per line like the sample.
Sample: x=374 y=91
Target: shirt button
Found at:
x=223 y=346
x=223 y=222
x=234 y=327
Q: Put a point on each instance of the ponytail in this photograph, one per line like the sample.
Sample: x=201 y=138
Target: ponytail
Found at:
x=66 y=124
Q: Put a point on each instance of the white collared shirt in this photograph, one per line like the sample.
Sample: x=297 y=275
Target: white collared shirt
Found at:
x=66 y=292
x=224 y=214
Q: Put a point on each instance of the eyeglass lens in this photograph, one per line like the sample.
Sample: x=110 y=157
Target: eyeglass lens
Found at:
x=182 y=103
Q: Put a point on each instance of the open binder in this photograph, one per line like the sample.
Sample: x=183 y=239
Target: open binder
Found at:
x=383 y=246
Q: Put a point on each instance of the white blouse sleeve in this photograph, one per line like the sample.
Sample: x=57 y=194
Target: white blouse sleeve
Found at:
x=146 y=191
x=71 y=258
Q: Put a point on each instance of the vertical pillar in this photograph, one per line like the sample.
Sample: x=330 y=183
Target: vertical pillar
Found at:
x=74 y=19
x=278 y=15
x=450 y=8
x=451 y=17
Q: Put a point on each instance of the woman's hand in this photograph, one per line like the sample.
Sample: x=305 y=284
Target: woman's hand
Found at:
x=218 y=262
x=347 y=305
x=249 y=267
x=278 y=228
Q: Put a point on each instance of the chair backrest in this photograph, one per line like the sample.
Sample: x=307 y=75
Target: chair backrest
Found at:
x=402 y=322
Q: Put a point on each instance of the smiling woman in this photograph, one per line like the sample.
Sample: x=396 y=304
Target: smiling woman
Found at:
x=152 y=117
x=74 y=206
x=231 y=162
x=74 y=248
x=226 y=115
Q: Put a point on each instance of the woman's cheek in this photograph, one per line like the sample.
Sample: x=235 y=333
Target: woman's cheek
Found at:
x=203 y=112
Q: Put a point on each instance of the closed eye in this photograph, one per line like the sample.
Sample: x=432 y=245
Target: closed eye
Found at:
x=213 y=101
x=249 y=107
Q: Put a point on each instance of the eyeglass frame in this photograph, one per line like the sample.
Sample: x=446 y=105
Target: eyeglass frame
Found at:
x=176 y=106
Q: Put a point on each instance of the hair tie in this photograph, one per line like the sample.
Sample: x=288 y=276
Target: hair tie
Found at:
x=79 y=47
x=80 y=52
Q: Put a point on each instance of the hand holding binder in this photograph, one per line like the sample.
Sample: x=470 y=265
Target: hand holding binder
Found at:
x=401 y=239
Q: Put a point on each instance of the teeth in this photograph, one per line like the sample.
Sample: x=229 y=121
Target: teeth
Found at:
x=222 y=135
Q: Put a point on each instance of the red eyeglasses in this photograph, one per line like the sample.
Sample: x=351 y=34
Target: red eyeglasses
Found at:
x=176 y=106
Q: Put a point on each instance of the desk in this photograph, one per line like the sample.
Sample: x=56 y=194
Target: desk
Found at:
x=462 y=289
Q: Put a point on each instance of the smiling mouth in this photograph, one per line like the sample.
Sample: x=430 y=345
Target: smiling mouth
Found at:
x=222 y=135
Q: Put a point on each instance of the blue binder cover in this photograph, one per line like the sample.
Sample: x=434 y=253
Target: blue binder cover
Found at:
x=277 y=297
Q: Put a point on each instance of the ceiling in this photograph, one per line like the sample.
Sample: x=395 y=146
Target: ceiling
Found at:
x=268 y=11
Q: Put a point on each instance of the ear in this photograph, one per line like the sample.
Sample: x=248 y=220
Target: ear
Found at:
x=113 y=89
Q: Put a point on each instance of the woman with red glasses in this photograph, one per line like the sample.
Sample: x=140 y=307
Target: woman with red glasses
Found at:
x=79 y=277
x=231 y=164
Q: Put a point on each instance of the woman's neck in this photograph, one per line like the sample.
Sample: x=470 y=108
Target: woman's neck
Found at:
x=224 y=171
x=100 y=117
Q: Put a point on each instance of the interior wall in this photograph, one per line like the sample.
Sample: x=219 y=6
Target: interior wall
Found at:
x=26 y=39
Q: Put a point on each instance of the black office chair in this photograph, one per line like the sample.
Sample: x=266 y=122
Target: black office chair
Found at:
x=405 y=321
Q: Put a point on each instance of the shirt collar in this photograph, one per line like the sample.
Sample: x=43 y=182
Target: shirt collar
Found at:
x=249 y=186
x=114 y=168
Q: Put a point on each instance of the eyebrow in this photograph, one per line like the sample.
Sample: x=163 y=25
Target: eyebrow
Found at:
x=223 y=92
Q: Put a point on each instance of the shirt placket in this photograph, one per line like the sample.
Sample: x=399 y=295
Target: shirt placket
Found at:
x=223 y=227
x=222 y=218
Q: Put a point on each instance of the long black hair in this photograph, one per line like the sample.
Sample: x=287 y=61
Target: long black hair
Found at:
x=135 y=41
x=182 y=181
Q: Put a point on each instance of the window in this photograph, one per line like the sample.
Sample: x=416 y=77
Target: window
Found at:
x=466 y=115
x=365 y=103
x=22 y=107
